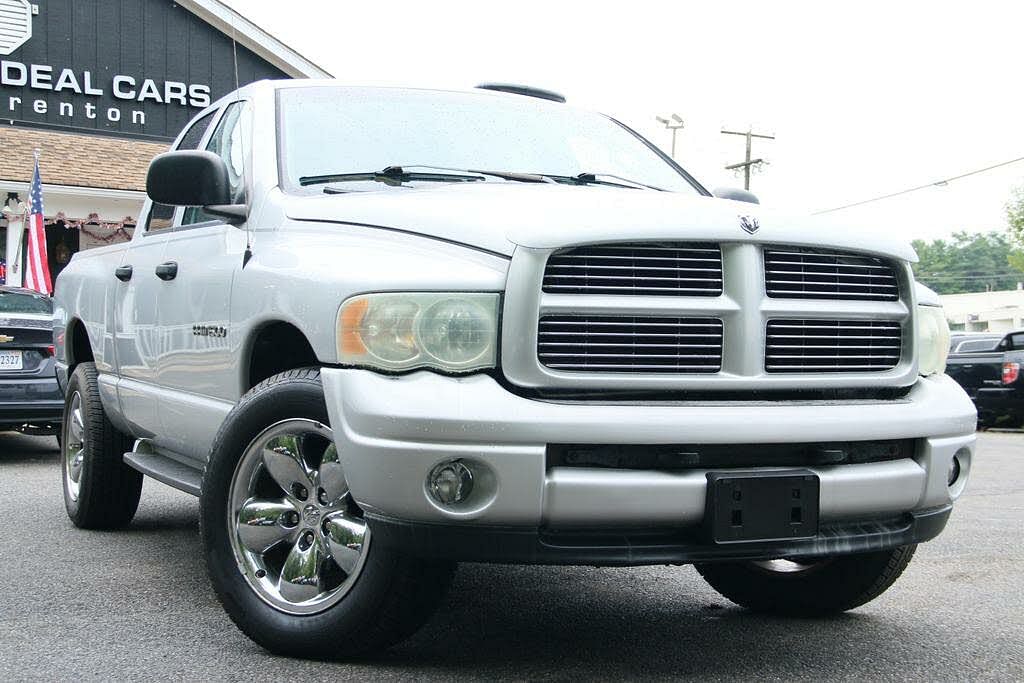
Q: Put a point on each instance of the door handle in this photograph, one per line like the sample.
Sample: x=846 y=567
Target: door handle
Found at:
x=167 y=271
x=123 y=273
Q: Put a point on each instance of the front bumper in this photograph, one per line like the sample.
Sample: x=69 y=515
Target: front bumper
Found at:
x=391 y=431
x=627 y=548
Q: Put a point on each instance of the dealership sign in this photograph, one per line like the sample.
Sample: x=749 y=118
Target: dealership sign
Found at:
x=42 y=77
x=139 y=68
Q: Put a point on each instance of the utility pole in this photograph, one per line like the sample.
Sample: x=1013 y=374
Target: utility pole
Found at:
x=748 y=162
x=674 y=127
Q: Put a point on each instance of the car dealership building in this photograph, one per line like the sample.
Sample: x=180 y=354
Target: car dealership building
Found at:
x=98 y=88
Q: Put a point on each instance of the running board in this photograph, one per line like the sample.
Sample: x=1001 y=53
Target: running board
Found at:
x=164 y=469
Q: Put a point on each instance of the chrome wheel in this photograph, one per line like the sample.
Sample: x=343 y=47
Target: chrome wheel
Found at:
x=74 y=446
x=298 y=538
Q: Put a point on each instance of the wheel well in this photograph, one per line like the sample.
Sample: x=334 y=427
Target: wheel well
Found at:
x=278 y=347
x=79 y=350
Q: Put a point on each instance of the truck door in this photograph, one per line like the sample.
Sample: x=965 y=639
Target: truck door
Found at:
x=138 y=342
x=198 y=367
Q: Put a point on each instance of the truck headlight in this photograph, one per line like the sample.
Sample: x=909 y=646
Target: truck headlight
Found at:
x=451 y=332
x=932 y=340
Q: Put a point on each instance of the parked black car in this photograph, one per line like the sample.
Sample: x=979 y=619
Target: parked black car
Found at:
x=994 y=381
x=30 y=400
x=973 y=341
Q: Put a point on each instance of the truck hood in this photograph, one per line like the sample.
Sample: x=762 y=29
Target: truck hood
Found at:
x=499 y=216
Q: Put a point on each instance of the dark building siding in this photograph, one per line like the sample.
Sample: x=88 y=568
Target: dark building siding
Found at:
x=144 y=39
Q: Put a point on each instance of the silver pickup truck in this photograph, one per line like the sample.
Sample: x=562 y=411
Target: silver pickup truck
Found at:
x=379 y=331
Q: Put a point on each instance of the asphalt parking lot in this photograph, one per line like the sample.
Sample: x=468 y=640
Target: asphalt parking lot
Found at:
x=136 y=604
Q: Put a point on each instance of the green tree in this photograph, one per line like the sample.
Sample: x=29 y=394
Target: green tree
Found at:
x=1015 y=217
x=969 y=262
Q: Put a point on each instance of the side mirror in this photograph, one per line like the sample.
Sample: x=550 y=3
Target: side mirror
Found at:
x=735 y=194
x=193 y=178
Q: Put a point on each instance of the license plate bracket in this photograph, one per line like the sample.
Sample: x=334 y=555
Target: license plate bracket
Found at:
x=747 y=507
x=11 y=360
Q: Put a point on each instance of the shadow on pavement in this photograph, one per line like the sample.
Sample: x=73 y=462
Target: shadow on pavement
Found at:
x=20 y=448
x=516 y=621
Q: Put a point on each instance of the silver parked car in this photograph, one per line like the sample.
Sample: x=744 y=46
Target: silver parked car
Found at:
x=380 y=331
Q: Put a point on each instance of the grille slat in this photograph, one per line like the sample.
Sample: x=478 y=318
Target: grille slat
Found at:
x=851 y=350
x=633 y=345
x=630 y=343
x=604 y=289
x=811 y=274
x=870 y=285
x=669 y=268
x=673 y=269
x=844 y=275
x=655 y=278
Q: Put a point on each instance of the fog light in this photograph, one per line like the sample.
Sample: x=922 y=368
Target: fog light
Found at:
x=954 y=471
x=450 y=483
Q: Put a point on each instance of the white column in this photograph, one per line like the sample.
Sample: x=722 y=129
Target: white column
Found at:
x=15 y=212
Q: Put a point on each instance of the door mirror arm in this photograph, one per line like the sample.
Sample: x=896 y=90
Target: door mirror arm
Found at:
x=233 y=214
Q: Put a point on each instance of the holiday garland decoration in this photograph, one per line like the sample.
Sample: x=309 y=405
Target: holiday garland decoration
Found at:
x=120 y=229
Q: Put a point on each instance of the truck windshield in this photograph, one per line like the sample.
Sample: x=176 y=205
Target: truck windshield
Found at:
x=332 y=131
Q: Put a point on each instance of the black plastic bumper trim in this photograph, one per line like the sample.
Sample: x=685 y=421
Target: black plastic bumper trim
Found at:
x=38 y=411
x=530 y=545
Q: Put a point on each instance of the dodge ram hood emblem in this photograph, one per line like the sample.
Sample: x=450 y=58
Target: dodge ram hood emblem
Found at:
x=750 y=224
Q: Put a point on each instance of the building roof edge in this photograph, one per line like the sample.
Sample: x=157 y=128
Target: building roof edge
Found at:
x=254 y=38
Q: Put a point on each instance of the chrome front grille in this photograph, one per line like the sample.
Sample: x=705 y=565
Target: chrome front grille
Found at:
x=670 y=269
x=797 y=273
x=632 y=333
x=832 y=345
x=608 y=343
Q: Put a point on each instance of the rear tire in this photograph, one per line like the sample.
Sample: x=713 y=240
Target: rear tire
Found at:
x=100 y=490
x=815 y=588
x=284 y=580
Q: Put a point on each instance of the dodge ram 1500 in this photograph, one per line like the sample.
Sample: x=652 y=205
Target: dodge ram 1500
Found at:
x=379 y=331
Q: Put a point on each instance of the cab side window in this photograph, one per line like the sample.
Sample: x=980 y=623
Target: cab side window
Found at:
x=161 y=215
x=229 y=141
x=1016 y=342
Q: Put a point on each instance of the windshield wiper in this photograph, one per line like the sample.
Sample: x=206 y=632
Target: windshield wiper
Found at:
x=504 y=175
x=396 y=175
x=598 y=179
x=392 y=175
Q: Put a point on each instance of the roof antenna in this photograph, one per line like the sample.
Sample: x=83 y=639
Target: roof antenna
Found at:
x=234 y=58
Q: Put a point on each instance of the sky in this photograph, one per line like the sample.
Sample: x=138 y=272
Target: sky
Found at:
x=864 y=100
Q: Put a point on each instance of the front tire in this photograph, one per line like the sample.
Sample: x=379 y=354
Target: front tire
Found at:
x=289 y=554
x=100 y=490
x=808 y=587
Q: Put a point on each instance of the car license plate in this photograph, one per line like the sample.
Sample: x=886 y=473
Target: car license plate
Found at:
x=758 y=506
x=10 y=360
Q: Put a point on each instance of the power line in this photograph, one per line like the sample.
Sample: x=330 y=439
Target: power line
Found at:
x=938 y=183
x=993 y=276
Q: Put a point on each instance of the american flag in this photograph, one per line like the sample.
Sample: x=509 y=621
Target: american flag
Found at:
x=37 y=268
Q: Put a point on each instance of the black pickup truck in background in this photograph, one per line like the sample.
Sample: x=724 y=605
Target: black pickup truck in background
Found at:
x=994 y=380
